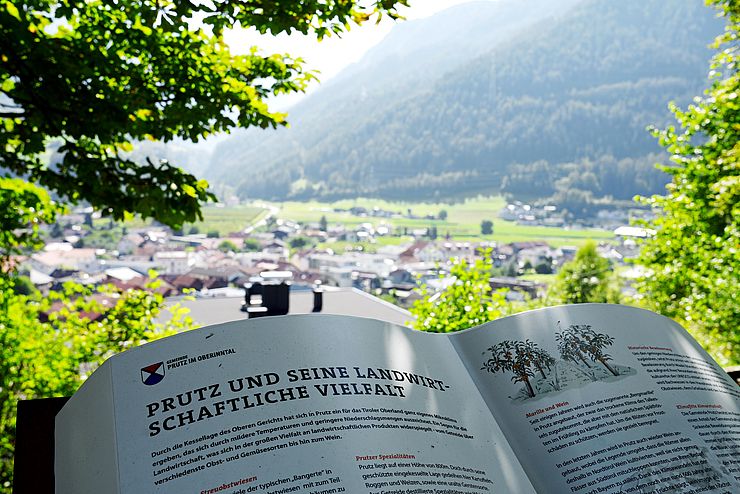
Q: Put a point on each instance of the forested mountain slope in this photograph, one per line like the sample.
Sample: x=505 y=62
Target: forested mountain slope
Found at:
x=483 y=95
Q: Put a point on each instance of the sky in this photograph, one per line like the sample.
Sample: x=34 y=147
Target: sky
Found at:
x=333 y=54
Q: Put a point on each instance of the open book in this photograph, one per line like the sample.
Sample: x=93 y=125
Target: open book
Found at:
x=574 y=399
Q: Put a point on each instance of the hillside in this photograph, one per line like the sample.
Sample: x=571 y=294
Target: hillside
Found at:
x=467 y=100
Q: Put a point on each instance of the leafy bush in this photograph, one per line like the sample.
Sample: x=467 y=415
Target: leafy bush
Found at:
x=251 y=245
x=46 y=359
x=693 y=261
x=468 y=302
x=587 y=278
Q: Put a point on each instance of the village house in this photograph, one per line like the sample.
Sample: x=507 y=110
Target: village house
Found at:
x=173 y=262
x=249 y=259
x=468 y=251
x=130 y=242
x=282 y=233
x=357 y=261
x=537 y=254
x=140 y=263
x=127 y=279
x=517 y=289
x=64 y=255
x=300 y=257
x=277 y=247
x=400 y=279
x=413 y=253
x=193 y=240
x=219 y=275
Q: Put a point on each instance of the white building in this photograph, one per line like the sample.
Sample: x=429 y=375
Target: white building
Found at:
x=355 y=261
x=62 y=255
x=173 y=262
x=250 y=259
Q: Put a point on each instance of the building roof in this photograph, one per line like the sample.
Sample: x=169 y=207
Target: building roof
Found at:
x=64 y=257
x=123 y=273
x=633 y=231
x=414 y=249
x=39 y=278
x=342 y=301
x=171 y=254
x=142 y=283
x=226 y=272
x=517 y=246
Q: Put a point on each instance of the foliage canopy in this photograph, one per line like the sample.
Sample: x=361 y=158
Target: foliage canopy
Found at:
x=86 y=79
x=52 y=358
x=693 y=260
x=468 y=302
x=584 y=279
x=23 y=209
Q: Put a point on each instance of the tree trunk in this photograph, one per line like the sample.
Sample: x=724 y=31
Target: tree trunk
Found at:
x=606 y=364
x=539 y=368
x=530 y=390
x=580 y=356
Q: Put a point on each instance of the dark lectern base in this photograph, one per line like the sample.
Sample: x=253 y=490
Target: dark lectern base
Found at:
x=34 y=446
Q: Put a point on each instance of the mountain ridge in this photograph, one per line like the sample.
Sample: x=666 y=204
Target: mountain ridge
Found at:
x=557 y=89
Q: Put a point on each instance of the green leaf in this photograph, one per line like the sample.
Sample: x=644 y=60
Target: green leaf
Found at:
x=12 y=10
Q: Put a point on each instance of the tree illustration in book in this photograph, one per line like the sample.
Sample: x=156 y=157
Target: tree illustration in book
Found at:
x=583 y=360
x=521 y=358
x=581 y=343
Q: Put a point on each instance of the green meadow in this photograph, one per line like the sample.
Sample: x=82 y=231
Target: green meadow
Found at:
x=227 y=219
x=216 y=218
x=462 y=222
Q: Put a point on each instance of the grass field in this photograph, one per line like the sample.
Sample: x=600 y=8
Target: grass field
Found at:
x=227 y=219
x=223 y=219
x=462 y=222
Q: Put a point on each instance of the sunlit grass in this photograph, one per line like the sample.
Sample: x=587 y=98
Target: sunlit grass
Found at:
x=462 y=222
x=216 y=218
x=226 y=220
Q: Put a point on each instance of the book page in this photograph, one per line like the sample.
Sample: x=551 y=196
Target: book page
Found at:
x=601 y=398
x=313 y=404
